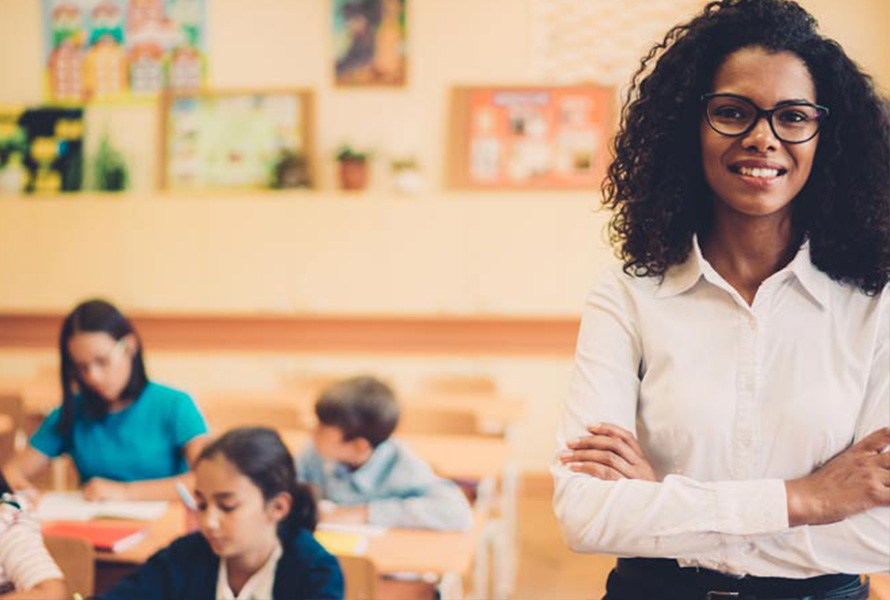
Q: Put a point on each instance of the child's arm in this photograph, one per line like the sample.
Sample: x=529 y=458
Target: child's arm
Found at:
x=98 y=488
x=52 y=589
x=25 y=559
x=441 y=505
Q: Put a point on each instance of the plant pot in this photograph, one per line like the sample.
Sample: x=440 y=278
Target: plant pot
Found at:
x=353 y=174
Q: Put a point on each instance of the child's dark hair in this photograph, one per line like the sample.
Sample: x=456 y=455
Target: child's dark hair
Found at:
x=95 y=316
x=259 y=454
x=360 y=407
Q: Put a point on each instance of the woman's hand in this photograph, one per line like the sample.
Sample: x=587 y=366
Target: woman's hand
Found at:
x=105 y=489
x=610 y=452
x=856 y=480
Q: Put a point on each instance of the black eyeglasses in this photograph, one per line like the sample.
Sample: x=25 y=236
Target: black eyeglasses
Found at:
x=792 y=122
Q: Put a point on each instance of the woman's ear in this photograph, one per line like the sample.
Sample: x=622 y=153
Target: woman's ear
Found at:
x=279 y=506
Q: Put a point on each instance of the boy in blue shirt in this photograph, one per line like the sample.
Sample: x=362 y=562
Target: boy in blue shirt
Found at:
x=353 y=463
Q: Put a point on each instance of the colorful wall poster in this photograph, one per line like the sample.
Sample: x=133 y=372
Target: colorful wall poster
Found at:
x=530 y=137
x=122 y=49
x=41 y=150
x=237 y=140
x=370 y=42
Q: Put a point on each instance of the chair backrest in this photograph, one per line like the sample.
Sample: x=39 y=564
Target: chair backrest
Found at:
x=360 y=576
x=229 y=410
x=76 y=557
x=437 y=419
x=458 y=384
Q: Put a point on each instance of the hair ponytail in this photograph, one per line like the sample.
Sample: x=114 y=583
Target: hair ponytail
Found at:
x=260 y=455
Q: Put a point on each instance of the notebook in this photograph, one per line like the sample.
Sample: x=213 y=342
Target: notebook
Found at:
x=342 y=544
x=70 y=506
x=106 y=536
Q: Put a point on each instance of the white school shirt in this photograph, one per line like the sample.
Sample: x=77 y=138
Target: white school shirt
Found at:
x=258 y=587
x=727 y=401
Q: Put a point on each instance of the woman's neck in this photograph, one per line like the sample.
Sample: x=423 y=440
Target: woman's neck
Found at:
x=745 y=250
x=243 y=566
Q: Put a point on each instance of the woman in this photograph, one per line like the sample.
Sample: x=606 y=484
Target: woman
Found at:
x=256 y=526
x=26 y=569
x=745 y=339
x=129 y=438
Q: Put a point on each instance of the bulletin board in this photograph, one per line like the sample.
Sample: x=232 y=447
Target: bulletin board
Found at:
x=530 y=137
x=241 y=139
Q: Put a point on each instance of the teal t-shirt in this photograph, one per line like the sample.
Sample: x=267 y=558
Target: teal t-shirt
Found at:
x=143 y=441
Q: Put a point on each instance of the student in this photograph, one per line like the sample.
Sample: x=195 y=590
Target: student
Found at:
x=255 y=540
x=728 y=415
x=129 y=438
x=26 y=569
x=373 y=479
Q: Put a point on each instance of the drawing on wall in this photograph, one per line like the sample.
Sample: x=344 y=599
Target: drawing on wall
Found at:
x=370 y=42
x=122 y=49
x=41 y=150
x=530 y=137
x=250 y=139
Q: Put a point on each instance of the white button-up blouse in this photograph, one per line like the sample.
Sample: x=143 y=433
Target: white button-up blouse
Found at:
x=727 y=401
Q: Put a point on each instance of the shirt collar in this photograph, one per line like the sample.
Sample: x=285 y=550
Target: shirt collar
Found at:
x=369 y=474
x=260 y=583
x=682 y=277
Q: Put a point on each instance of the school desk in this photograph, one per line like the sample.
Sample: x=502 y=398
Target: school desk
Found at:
x=446 y=555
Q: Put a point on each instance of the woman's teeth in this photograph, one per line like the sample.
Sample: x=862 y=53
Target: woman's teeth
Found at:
x=758 y=172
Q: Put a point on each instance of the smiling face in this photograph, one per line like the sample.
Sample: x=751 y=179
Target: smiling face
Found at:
x=757 y=174
x=232 y=513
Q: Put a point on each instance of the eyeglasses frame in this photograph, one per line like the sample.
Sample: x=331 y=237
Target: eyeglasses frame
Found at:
x=763 y=113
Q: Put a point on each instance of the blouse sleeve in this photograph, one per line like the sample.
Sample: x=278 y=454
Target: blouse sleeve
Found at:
x=24 y=558
x=673 y=518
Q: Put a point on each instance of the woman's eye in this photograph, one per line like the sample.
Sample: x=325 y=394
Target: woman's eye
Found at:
x=202 y=506
x=730 y=112
x=793 y=116
x=228 y=507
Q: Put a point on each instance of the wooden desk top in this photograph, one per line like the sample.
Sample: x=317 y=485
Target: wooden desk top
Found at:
x=397 y=550
x=470 y=457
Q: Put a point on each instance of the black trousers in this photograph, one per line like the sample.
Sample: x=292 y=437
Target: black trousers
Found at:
x=664 y=579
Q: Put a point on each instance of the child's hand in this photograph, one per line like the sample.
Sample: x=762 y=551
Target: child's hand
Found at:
x=347 y=514
x=105 y=489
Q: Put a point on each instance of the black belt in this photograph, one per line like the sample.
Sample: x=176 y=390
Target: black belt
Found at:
x=666 y=575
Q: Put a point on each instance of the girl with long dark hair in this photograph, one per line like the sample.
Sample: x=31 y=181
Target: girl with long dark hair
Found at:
x=129 y=437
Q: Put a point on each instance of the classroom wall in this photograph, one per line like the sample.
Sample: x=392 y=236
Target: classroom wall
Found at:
x=520 y=254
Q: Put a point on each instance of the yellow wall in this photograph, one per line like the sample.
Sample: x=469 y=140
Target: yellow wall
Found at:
x=441 y=253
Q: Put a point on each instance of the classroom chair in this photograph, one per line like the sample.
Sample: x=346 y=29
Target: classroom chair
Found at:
x=76 y=558
x=360 y=576
x=437 y=420
x=225 y=411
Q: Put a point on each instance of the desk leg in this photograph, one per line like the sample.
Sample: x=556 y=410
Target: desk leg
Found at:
x=451 y=587
x=505 y=542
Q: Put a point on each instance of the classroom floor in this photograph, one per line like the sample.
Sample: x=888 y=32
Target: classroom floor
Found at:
x=547 y=568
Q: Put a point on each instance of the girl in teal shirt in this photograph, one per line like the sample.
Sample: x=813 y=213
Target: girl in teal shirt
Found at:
x=129 y=438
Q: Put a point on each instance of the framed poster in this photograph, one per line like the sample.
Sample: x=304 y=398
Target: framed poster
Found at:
x=41 y=149
x=530 y=137
x=109 y=50
x=237 y=139
x=370 y=42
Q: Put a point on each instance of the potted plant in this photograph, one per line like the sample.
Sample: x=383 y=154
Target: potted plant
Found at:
x=353 y=167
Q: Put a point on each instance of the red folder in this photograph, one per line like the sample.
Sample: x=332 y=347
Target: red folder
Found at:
x=109 y=537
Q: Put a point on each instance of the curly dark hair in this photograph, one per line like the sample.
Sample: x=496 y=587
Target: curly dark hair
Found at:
x=656 y=186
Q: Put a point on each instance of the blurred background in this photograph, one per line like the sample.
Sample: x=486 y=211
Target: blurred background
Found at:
x=438 y=263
